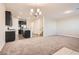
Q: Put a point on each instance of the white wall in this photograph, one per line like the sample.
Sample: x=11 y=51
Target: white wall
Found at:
x=49 y=27
x=2 y=25
x=68 y=26
x=15 y=26
x=36 y=25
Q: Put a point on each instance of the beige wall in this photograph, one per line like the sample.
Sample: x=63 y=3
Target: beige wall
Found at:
x=2 y=25
x=68 y=26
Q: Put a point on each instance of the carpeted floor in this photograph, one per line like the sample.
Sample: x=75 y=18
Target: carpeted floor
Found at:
x=66 y=51
x=40 y=45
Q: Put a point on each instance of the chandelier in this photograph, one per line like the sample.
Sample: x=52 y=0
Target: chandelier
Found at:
x=35 y=12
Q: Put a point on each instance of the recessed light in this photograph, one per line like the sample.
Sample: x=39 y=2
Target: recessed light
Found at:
x=38 y=10
x=31 y=10
x=40 y=13
x=68 y=11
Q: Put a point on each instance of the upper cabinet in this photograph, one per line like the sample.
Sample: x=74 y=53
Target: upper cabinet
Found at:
x=8 y=18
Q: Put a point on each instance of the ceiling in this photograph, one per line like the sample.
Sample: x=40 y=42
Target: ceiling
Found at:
x=49 y=10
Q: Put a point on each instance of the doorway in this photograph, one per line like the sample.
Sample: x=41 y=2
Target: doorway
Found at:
x=36 y=26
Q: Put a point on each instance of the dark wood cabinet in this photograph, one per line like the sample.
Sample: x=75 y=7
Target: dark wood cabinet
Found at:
x=9 y=36
x=20 y=31
x=27 y=34
x=8 y=18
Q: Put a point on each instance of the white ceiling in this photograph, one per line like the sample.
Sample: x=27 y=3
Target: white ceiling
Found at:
x=50 y=10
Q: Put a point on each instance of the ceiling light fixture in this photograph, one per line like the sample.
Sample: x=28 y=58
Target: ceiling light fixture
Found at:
x=35 y=12
x=68 y=11
x=31 y=10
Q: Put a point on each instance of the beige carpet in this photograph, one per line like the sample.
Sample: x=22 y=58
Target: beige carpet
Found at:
x=40 y=45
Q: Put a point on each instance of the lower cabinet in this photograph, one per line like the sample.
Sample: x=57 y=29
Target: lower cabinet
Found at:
x=9 y=36
x=26 y=34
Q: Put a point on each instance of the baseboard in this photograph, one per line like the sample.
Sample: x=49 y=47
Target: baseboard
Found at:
x=49 y=35
x=69 y=36
x=2 y=47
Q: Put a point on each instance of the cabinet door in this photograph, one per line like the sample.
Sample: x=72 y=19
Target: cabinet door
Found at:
x=26 y=34
x=10 y=36
x=8 y=18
